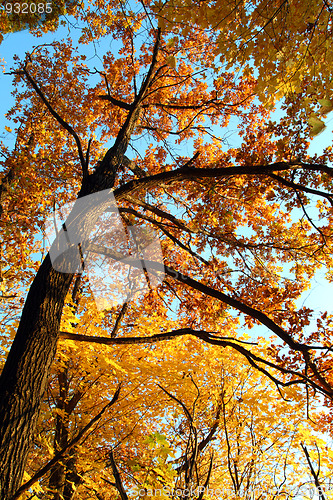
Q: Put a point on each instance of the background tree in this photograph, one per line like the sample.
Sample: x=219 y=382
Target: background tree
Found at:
x=287 y=44
x=199 y=203
x=223 y=425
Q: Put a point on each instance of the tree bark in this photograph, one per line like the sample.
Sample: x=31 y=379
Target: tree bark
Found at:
x=24 y=377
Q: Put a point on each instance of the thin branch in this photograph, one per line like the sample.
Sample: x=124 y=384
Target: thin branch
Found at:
x=200 y=497
x=118 y=320
x=309 y=218
x=186 y=411
x=305 y=189
x=60 y=120
x=117 y=478
x=313 y=473
x=208 y=337
x=88 y=153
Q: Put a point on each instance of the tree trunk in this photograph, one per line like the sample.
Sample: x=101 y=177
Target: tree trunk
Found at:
x=24 y=377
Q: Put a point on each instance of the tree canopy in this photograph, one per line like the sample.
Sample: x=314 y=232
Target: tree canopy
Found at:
x=201 y=373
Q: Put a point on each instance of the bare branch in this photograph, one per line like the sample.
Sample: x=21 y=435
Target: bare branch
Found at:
x=117 y=478
x=60 y=120
x=313 y=473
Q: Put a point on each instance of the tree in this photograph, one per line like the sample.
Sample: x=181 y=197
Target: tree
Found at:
x=171 y=88
x=212 y=433
x=286 y=43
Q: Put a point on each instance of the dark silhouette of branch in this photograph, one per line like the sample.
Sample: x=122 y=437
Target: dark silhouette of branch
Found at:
x=116 y=102
x=118 y=320
x=114 y=157
x=56 y=115
x=191 y=173
x=200 y=497
x=314 y=474
x=305 y=189
x=210 y=338
x=117 y=478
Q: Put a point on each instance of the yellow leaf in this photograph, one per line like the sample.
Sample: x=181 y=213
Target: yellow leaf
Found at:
x=172 y=62
x=317 y=125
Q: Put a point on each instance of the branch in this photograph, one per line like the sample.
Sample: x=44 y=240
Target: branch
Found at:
x=207 y=290
x=190 y=461
x=60 y=120
x=117 y=478
x=213 y=102
x=203 y=443
x=160 y=225
x=184 y=173
x=210 y=338
x=157 y=211
x=200 y=497
x=115 y=155
x=305 y=189
x=235 y=303
x=116 y=102
x=135 y=107
x=119 y=319
x=108 y=97
x=171 y=396
x=313 y=473
x=88 y=153
x=226 y=299
x=147 y=80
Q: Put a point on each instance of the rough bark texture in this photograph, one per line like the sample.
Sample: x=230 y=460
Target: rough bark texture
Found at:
x=24 y=377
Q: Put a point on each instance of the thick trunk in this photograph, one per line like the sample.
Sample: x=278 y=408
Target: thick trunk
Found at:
x=24 y=377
